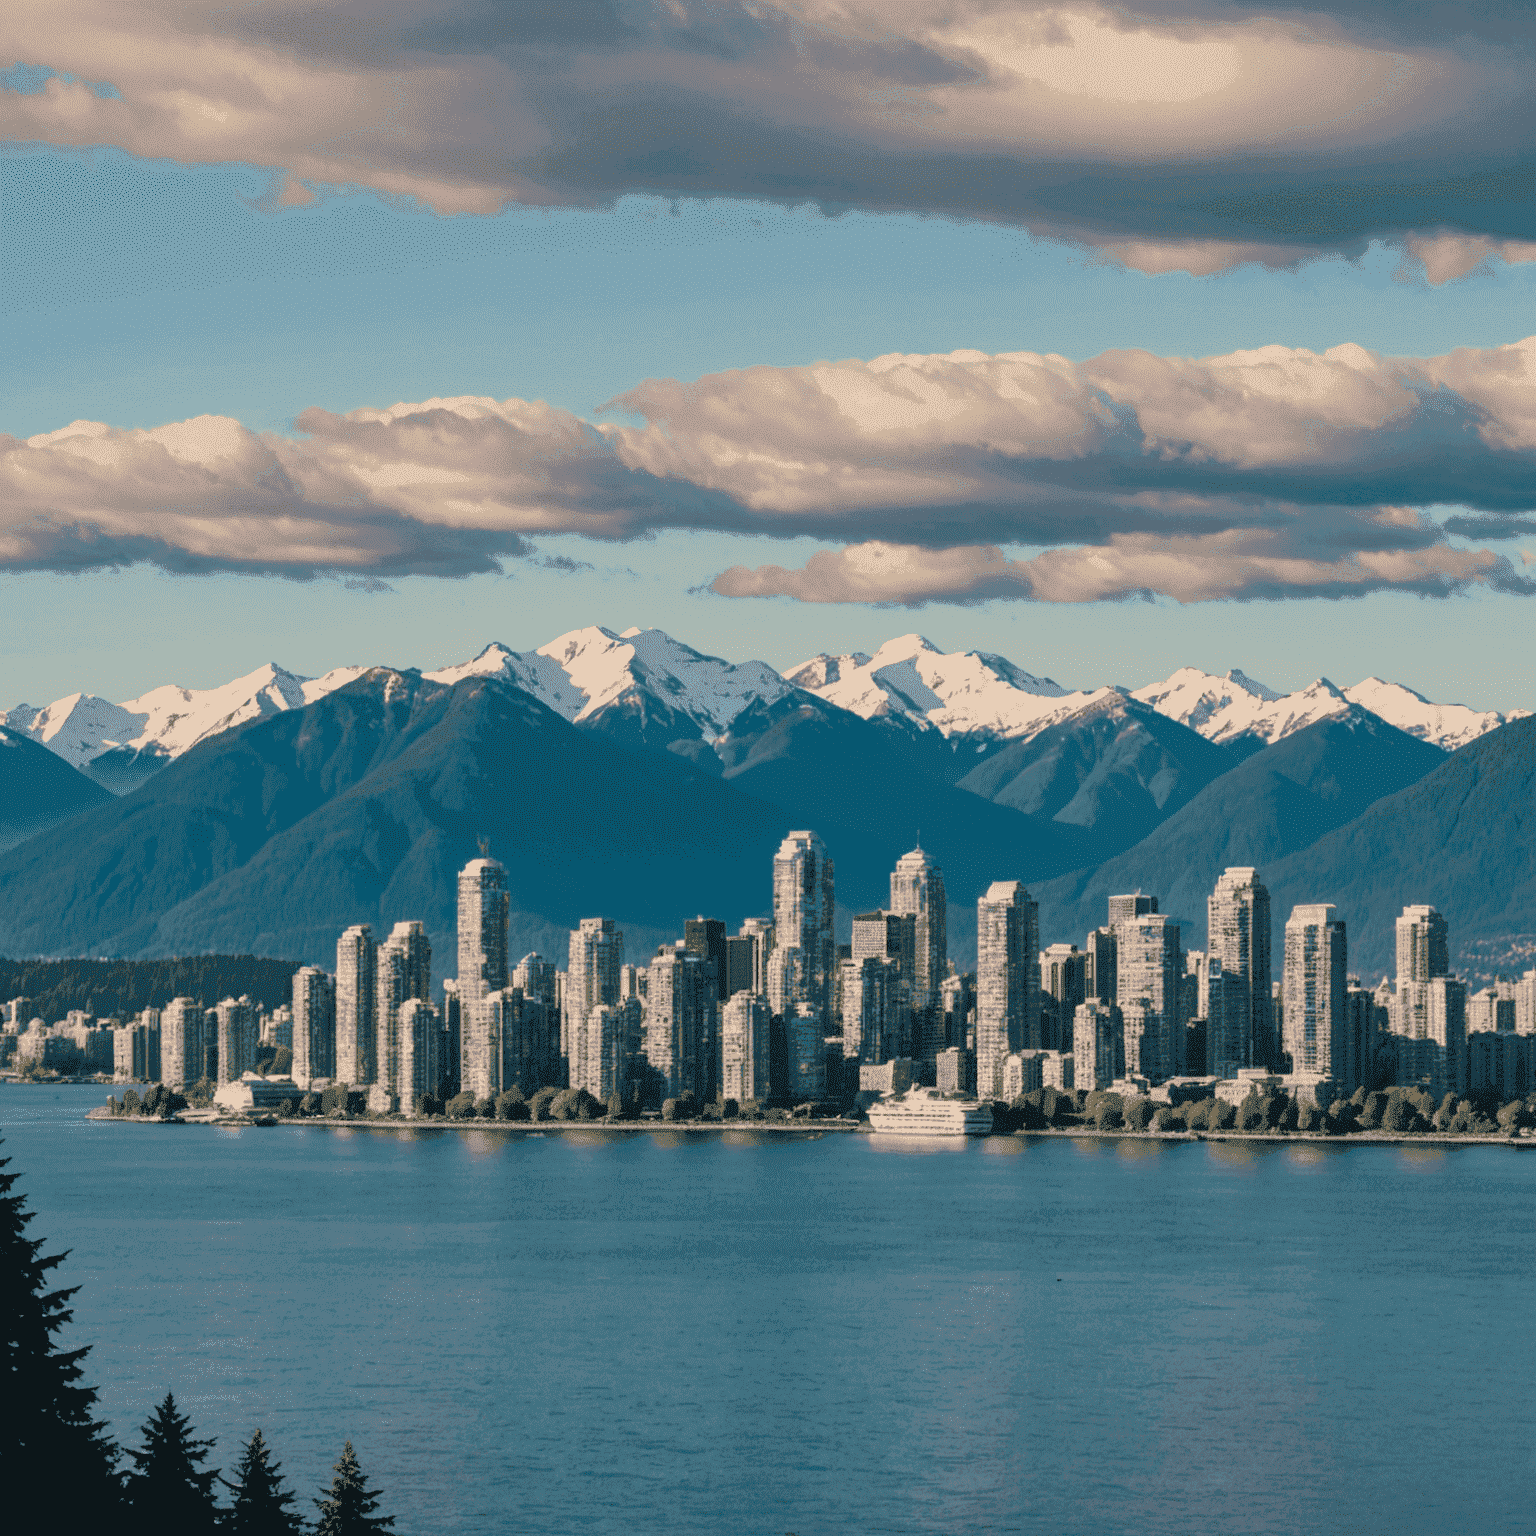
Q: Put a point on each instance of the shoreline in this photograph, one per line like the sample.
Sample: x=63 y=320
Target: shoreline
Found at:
x=816 y=1127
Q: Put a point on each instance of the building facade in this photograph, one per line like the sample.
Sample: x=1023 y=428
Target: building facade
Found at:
x=1007 y=980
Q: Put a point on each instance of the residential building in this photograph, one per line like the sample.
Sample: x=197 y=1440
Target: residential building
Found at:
x=802 y=916
x=404 y=972
x=1315 y=1031
x=744 y=1033
x=807 y=1055
x=917 y=891
x=1238 y=928
x=1007 y=980
x=182 y=1051
x=874 y=1002
x=596 y=961
x=357 y=960
x=1063 y=985
x=1098 y=1045
x=705 y=937
x=236 y=1025
x=314 y=1025
x=1150 y=965
x=681 y=1024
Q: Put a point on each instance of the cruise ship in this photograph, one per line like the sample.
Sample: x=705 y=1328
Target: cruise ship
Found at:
x=926 y=1112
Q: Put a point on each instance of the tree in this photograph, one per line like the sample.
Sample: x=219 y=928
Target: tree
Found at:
x=1221 y=1116
x=509 y=1107
x=1309 y=1118
x=1250 y=1113
x=168 y=1490
x=1197 y=1115
x=1446 y=1112
x=1513 y=1116
x=730 y=1109
x=51 y=1439
x=132 y=1103
x=1169 y=1117
x=310 y=1104
x=261 y=1501
x=615 y=1107
x=669 y=1109
x=1398 y=1115
x=349 y=1511
x=1108 y=1112
x=200 y=1094
x=538 y=1105
x=1138 y=1113
x=461 y=1106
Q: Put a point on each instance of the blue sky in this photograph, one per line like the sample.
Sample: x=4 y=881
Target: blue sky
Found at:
x=141 y=292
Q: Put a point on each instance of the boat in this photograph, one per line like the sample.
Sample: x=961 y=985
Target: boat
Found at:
x=927 y=1112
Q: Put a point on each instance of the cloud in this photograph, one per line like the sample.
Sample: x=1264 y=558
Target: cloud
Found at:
x=1190 y=135
x=1264 y=471
x=1239 y=564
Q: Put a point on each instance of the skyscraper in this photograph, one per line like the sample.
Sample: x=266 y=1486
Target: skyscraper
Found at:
x=404 y=971
x=807 y=1053
x=802 y=915
x=1423 y=945
x=1135 y=904
x=483 y=905
x=1316 y=1027
x=1098 y=1045
x=1063 y=985
x=917 y=891
x=1007 y=981
x=873 y=1003
x=237 y=1038
x=314 y=1025
x=1149 y=965
x=357 y=958
x=705 y=937
x=760 y=931
x=613 y=1035
x=1238 y=934
x=744 y=1048
x=682 y=1006
x=596 y=959
x=1103 y=981
x=419 y=1061
x=181 y=1043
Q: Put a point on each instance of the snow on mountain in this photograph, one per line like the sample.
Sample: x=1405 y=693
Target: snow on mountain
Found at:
x=1447 y=725
x=1225 y=709
x=166 y=720
x=580 y=673
x=820 y=670
x=957 y=693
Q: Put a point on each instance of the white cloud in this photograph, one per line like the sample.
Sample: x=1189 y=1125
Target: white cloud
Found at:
x=1276 y=469
x=1195 y=135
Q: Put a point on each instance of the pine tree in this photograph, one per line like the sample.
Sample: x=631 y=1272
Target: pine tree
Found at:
x=261 y=1501
x=167 y=1491
x=350 y=1509
x=50 y=1439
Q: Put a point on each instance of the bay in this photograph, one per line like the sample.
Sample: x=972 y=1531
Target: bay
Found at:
x=760 y=1334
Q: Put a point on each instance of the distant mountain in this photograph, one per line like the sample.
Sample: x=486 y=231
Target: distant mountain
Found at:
x=1462 y=838
x=38 y=789
x=1116 y=767
x=1240 y=713
x=1281 y=799
x=121 y=745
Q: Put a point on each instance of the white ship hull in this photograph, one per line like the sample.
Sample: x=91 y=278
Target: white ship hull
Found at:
x=922 y=1112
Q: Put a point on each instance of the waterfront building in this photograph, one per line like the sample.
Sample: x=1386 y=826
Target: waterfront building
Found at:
x=1097 y=1045
x=1063 y=985
x=955 y=1071
x=1238 y=927
x=681 y=1024
x=610 y=1048
x=357 y=960
x=744 y=1035
x=596 y=961
x=874 y=1001
x=1365 y=1024
x=705 y=937
x=314 y=1025
x=1022 y=1073
x=513 y=1039
x=1500 y=1062
x=807 y=1056
x=404 y=971
x=182 y=1053
x=917 y=891
x=419 y=1070
x=1150 y=967
x=450 y=1052
x=802 y=916
x=482 y=934
x=236 y=1025
x=760 y=931
x=1007 y=980
x=1315 y=1033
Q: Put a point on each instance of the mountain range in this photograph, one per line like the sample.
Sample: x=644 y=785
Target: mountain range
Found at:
x=631 y=775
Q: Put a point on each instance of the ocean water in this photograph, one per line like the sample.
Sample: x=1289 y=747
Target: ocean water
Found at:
x=744 y=1334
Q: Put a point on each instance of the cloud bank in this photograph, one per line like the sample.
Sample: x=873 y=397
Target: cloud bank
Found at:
x=1263 y=473
x=1189 y=134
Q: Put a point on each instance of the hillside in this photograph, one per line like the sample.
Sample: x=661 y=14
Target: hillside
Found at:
x=38 y=789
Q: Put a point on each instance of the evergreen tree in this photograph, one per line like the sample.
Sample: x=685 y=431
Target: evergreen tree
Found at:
x=350 y=1509
x=50 y=1440
x=167 y=1491
x=261 y=1501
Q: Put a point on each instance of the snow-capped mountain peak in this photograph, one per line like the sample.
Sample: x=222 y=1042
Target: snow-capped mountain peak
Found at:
x=579 y=673
x=1447 y=725
x=825 y=668
x=1224 y=709
x=956 y=693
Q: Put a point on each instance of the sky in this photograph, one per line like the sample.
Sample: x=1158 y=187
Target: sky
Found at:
x=1109 y=341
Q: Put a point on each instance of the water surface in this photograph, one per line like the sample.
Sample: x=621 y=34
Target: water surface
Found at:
x=760 y=1334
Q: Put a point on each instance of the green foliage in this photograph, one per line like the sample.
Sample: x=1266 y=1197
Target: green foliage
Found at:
x=283 y=1109
x=508 y=1108
x=168 y=1488
x=1056 y=1104
x=538 y=1105
x=730 y=1109
x=1372 y=1107
x=1109 y=1112
x=565 y=1104
x=121 y=987
x=1513 y=1116
x=132 y=1103
x=1197 y=1114
x=1309 y=1118
x=1445 y=1113
x=615 y=1107
x=1170 y=1117
x=200 y=1094
x=50 y=1443
x=282 y=1061
x=349 y=1509
x=669 y=1109
x=334 y=1100
x=1137 y=1113
x=428 y=1105
x=310 y=1104
x=260 y=1506
x=1251 y=1113
x=461 y=1106
x=1221 y=1116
